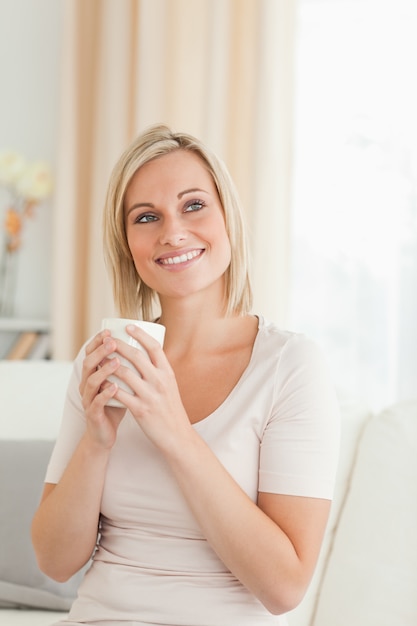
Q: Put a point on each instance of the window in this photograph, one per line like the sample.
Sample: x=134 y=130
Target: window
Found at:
x=354 y=225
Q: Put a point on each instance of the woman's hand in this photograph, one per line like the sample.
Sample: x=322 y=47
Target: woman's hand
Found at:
x=102 y=421
x=156 y=405
x=74 y=503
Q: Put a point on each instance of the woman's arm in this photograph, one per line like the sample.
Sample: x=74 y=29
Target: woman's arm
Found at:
x=65 y=526
x=272 y=546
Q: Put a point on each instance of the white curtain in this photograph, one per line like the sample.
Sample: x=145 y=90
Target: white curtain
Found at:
x=219 y=69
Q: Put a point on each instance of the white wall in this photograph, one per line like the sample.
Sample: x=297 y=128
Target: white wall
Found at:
x=30 y=57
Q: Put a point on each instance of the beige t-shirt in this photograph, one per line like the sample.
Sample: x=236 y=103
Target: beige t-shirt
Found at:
x=277 y=431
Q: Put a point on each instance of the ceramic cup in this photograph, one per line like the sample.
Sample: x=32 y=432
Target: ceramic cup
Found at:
x=117 y=327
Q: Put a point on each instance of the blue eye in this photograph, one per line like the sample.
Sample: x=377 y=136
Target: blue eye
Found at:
x=145 y=219
x=195 y=205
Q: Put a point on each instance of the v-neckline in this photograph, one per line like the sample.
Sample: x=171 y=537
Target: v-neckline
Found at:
x=239 y=382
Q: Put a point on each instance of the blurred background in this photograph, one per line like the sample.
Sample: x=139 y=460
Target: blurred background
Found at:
x=311 y=103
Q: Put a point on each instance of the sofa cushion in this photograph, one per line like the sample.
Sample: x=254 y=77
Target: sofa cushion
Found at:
x=370 y=579
x=22 y=470
x=30 y=617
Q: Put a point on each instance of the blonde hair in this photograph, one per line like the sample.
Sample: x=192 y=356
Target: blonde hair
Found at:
x=132 y=296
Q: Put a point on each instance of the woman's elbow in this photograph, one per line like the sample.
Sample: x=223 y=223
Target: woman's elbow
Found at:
x=55 y=562
x=54 y=570
x=279 y=600
x=58 y=576
x=53 y=565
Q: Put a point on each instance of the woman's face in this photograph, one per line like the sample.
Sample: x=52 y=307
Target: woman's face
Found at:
x=175 y=226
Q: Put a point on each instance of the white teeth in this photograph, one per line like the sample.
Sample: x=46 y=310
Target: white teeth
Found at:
x=180 y=259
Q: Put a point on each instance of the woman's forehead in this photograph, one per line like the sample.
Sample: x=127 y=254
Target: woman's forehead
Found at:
x=176 y=171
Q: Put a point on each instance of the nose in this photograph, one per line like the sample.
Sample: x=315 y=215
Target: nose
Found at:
x=173 y=232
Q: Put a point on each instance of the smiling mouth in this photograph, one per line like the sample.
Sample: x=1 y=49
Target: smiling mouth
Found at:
x=181 y=258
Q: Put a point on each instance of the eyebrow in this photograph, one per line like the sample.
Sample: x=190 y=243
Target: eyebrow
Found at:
x=183 y=193
x=138 y=205
x=149 y=205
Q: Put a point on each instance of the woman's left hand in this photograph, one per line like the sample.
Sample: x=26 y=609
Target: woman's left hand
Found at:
x=156 y=406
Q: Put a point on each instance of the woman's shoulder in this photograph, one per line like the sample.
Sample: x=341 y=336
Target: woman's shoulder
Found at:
x=269 y=331
x=284 y=344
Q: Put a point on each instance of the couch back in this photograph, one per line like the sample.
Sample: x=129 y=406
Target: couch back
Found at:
x=367 y=572
x=370 y=578
x=31 y=401
x=32 y=397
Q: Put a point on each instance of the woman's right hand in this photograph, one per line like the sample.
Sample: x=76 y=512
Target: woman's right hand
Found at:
x=74 y=503
x=102 y=421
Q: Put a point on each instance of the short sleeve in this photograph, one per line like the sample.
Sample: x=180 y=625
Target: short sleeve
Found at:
x=300 y=443
x=72 y=425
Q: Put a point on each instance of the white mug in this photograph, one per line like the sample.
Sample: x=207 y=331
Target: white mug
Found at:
x=117 y=327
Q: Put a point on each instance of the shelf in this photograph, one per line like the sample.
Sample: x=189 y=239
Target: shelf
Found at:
x=22 y=324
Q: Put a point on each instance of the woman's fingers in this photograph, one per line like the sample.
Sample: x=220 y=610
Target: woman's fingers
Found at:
x=106 y=356
x=97 y=366
x=96 y=381
x=151 y=345
x=152 y=352
x=96 y=341
x=99 y=363
x=96 y=352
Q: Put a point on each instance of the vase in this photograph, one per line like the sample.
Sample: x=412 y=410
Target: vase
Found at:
x=8 y=279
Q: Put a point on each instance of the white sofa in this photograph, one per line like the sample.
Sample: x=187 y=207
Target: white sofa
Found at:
x=367 y=572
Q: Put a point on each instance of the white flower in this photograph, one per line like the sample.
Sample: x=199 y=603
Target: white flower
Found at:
x=35 y=182
x=12 y=166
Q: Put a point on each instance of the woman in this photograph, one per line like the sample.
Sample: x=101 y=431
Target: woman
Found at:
x=205 y=502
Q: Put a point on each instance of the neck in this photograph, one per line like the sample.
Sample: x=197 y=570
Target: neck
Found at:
x=191 y=323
